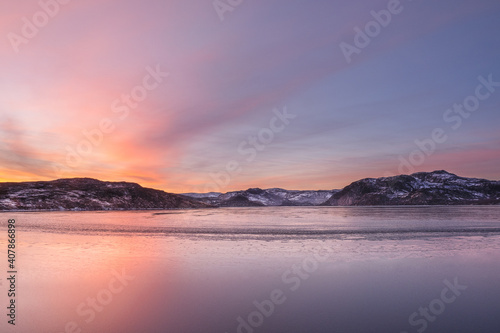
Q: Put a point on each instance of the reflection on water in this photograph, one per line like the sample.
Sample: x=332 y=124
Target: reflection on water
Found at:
x=284 y=269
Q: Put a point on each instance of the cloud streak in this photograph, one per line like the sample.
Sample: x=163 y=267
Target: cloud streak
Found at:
x=226 y=77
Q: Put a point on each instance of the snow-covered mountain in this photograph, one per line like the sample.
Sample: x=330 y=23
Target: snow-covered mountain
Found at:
x=202 y=195
x=88 y=194
x=260 y=197
x=422 y=188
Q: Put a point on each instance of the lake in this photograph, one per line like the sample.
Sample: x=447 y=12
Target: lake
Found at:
x=245 y=270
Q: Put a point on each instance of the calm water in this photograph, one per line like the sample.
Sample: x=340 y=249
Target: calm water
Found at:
x=356 y=269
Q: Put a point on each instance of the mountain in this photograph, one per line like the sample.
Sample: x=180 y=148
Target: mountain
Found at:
x=421 y=188
x=202 y=195
x=88 y=194
x=255 y=197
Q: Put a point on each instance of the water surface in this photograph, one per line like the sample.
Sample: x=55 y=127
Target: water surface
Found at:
x=328 y=269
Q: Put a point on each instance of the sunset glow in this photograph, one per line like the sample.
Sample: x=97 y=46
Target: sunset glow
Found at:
x=165 y=94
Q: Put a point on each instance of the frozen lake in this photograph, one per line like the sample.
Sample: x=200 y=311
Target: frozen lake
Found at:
x=272 y=269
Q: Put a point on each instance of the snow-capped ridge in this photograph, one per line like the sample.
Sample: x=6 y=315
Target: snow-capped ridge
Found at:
x=422 y=188
x=88 y=194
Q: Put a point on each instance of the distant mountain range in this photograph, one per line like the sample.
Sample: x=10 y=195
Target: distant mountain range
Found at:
x=258 y=197
x=422 y=188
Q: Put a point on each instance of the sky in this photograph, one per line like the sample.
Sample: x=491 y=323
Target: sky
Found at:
x=203 y=95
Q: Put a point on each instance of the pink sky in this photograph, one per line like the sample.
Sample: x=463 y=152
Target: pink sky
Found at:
x=352 y=120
